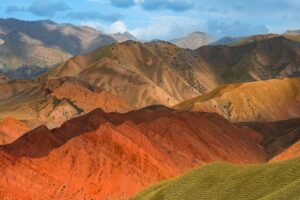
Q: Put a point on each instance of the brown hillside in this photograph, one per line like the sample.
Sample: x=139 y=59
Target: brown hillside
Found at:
x=144 y=74
x=271 y=100
x=56 y=101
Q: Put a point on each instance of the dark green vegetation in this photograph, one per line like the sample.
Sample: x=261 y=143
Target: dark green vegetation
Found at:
x=227 y=181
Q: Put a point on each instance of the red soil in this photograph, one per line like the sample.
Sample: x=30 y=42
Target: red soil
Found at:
x=10 y=129
x=109 y=156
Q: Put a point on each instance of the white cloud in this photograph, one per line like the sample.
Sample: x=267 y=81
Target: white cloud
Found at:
x=163 y=27
x=168 y=27
x=117 y=27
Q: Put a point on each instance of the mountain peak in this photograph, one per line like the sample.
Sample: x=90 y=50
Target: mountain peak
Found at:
x=122 y=37
x=198 y=33
x=193 y=40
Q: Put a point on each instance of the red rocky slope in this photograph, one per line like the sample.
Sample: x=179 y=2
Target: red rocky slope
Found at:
x=108 y=156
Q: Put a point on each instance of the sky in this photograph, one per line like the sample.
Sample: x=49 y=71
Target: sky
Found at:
x=164 y=19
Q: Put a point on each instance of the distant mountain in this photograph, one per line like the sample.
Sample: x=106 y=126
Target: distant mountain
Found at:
x=30 y=48
x=122 y=37
x=226 y=41
x=67 y=37
x=24 y=72
x=262 y=59
x=253 y=38
x=292 y=32
x=142 y=74
x=193 y=40
x=24 y=57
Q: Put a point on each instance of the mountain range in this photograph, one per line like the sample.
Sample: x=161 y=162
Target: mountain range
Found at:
x=88 y=115
x=115 y=155
x=29 y=48
x=136 y=75
x=193 y=40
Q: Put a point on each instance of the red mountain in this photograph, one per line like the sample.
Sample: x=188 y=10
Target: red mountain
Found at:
x=108 y=156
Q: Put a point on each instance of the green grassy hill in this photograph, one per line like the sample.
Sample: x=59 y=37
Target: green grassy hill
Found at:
x=227 y=181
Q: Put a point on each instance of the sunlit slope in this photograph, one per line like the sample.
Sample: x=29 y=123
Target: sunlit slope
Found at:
x=143 y=74
x=226 y=182
x=271 y=100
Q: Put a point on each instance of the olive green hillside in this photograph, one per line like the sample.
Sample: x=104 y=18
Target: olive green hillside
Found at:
x=221 y=181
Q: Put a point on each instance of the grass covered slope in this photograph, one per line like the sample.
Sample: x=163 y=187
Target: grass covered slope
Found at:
x=228 y=181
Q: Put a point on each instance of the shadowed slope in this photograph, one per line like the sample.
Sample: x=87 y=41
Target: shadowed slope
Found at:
x=264 y=59
x=278 y=136
x=115 y=155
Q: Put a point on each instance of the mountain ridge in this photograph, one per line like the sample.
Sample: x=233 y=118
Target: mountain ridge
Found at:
x=193 y=40
x=97 y=150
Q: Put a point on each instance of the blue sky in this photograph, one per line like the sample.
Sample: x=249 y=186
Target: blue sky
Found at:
x=164 y=19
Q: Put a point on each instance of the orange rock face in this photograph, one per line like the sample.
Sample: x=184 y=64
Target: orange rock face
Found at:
x=111 y=156
x=10 y=129
x=88 y=100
